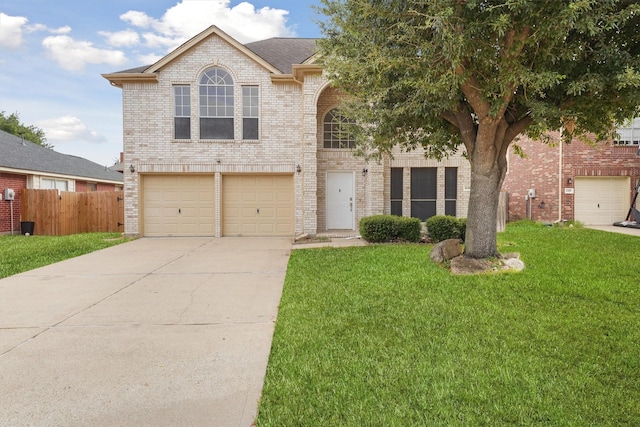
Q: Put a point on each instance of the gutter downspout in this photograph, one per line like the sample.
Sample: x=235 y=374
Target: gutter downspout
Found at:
x=560 y=181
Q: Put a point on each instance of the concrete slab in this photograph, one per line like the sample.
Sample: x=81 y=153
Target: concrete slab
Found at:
x=152 y=332
x=44 y=299
x=13 y=337
x=170 y=299
x=139 y=376
x=613 y=229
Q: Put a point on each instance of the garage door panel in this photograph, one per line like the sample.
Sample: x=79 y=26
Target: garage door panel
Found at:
x=601 y=200
x=257 y=205
x=178 y=205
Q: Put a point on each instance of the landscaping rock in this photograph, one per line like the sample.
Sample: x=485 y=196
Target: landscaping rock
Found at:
x=510 y=255
x=445 y=250
x=464 y=266
x=513 y=264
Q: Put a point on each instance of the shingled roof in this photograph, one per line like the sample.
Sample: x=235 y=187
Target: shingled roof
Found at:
x=20 y=154
x=282 y=52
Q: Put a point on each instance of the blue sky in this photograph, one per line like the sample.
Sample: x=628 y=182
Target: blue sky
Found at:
x=52 y=55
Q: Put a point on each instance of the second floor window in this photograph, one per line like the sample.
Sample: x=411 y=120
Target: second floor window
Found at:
x=335 y=134
x=250 y=111
x=216 y=104
x=182 y=112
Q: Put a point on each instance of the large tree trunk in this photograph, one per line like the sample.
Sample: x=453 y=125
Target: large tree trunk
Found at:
x=480 y=239
x=488 y=168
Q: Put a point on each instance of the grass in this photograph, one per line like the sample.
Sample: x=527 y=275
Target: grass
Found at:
x=380 y=336
x=22 y=253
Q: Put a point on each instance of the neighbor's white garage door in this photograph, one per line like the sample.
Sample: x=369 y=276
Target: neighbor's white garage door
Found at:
x=178 y=205
x=257 y=205
x=601 y=200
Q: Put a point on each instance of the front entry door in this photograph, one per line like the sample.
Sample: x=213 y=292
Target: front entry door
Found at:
x=340 y=203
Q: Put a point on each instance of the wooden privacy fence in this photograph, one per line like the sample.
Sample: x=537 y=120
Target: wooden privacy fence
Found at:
x=61 y=213
x=503 y=211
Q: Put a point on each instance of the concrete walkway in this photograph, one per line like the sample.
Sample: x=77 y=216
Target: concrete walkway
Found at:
x=154 y=332
x=613 y=229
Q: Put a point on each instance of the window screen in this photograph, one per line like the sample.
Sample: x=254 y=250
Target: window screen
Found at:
x=396 y=191
x=182 y=112
x=424 y=191
x=250 y=111
x=216 y=96
x=450 y=190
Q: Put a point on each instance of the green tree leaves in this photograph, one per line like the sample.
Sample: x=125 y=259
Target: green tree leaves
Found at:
x=12 y=125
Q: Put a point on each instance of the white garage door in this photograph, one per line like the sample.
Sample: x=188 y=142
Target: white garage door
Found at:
x=257 y=205
x=178 y=205
x=601 y=200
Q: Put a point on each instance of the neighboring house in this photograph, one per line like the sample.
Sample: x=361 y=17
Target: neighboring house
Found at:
x=226 y=139
x=24 y=164
x=593 y=184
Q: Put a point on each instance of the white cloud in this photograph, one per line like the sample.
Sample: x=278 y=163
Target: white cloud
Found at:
x=124 y=38
x=41 y=27
x=190 y=17
x=11 y=29
x=158 y=41
x=137 y=19
x=73 y=55
x=69 y=129
x=151 y=58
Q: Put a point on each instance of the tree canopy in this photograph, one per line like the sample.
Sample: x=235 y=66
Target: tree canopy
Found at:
x=11 y=124
x=446 y=74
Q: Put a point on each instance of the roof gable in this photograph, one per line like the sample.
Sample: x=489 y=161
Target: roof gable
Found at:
x=193 y=42
x=20 y=154
x=277 y=55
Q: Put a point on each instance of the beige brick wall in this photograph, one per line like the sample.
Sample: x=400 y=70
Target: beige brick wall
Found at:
x=290 y=134
x=416 y=159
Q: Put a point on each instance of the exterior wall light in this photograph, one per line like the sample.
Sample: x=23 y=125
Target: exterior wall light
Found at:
x=569 y=180
x=131 y=168
x=298 y=169
x=365 y=171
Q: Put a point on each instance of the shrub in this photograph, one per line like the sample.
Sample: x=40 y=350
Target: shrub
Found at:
x=443 y=227
x=386 y=228
x=408 y=228
x=462 y=227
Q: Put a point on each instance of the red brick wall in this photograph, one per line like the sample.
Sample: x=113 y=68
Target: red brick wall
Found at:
x=539 y=170
x=601 y=160
x=18 y=183
x=106 y=187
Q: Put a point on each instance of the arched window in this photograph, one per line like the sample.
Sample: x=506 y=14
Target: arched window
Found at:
x=335 y=134
x=216 y=104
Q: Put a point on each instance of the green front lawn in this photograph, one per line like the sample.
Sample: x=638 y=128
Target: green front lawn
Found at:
x=22 y=253
x=380 y=336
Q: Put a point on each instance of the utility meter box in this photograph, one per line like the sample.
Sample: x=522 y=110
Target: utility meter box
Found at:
x=9 y=193
x=532 y=193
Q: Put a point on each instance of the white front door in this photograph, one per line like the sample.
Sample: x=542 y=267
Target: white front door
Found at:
x=340 y=202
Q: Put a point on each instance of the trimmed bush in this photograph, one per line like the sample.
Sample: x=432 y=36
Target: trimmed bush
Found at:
x=462 y=224
x=387 y=228
x=443 y=227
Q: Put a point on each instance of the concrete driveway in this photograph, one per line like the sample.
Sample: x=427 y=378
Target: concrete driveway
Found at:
x=154 y=332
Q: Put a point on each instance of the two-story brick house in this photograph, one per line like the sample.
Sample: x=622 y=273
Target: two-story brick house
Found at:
x=226 y=139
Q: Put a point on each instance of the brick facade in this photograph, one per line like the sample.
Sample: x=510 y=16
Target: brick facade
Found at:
x=551 y=171
x=291 y=113
x=17 y=183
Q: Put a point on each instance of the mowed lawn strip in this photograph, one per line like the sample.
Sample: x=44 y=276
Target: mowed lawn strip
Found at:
x=23 y=253
x=380 y=336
